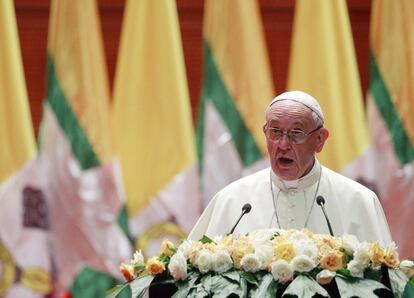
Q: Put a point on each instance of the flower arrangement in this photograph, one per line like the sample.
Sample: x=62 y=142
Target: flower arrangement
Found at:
x=272 y=263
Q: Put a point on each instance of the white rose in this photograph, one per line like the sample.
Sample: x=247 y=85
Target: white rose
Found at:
x=265 y=254
x=138 y=259
x=407 y=267
x=178 y=266
x=307 y=248
x=222 y=261
x=298 y=236
x=204 y=260
x=349 y=243
x=282 y=271
x=362 y=255
x=184 y=247
x=325 y=277
x=259 y=237
x=250 y=263
x=302 y=263
x=356 y=269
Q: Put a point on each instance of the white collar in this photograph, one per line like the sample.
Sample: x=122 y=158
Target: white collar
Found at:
x=302 y=183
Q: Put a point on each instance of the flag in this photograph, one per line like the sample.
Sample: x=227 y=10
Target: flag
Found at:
x=24 y=256
x=84 y=192
x=323 y=64
x=153 y=131
x=16 y=132
x=236 y=89
x=391 y=106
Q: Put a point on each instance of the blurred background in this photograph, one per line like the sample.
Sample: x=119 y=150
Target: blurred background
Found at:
x=119 y=120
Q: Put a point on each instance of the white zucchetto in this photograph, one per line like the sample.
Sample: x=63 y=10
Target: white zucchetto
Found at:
x=303 y=98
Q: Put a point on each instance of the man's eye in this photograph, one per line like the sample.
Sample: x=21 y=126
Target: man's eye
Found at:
x=275 y=130
x=296 y=132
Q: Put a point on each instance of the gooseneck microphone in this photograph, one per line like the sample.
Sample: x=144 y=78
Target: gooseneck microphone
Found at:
x=246 y=209
x=321 y=202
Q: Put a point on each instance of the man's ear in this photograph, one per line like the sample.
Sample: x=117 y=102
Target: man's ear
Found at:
x=322 y=137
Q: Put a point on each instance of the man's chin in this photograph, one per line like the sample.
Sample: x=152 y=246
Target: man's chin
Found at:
x=287 y=173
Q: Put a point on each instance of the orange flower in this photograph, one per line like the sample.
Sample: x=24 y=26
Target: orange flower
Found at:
x=155 y=266
x=391 y=257
x=333 y=260
x=127 y=272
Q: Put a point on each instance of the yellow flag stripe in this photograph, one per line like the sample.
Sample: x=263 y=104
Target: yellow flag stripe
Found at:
x=16 y=131
x=234 y=33
x=153 y=130
x=323 y=64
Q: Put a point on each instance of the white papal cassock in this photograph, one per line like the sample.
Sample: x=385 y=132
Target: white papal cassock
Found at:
x=351 y=207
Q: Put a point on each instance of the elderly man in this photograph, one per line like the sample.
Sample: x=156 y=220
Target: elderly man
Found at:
x=285 y=195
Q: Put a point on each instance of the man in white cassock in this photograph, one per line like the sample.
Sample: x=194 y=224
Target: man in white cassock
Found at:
x=285 y=195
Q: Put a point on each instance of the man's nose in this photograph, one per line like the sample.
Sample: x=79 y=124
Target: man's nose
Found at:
x=284 y=141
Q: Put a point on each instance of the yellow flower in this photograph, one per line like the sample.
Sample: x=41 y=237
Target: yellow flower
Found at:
x=155 y=266
x=240 y=248
x=225 y=243
x=167 y=248
x=284 y=250
x=210 y=246
x=328 y=241
x=333 y=260
x=377 y=254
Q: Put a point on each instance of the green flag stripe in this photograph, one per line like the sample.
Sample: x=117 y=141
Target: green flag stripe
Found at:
x=68 y=121
x=402 y=145
x=215 y=90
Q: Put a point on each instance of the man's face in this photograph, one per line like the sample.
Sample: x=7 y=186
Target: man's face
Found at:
x=291 y=161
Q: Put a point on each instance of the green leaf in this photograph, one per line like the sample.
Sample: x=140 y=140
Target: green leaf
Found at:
x=140 y=285
x=221 y=287
x=113 y=292
x=344 y=272
x=305 y=287
x=360 y=288
x=374 y=274
x=198 y=292
x=409 y=289
x=184 y=287
x=398 y=280
x=250 y=277
x=232 y=275
x=206 y=239
x=206 y=281
x=267 y=288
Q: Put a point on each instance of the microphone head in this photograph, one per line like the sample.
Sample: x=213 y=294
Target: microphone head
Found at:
x=320 y=200
x=246 y=208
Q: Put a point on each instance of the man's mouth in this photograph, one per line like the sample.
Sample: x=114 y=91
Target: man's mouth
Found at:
x=285 y=160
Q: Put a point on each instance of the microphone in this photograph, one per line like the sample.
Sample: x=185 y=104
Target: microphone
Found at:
x=321 y=202
x=246 y=209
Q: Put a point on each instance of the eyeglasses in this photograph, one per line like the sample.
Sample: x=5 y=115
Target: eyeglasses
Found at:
x=295 y=136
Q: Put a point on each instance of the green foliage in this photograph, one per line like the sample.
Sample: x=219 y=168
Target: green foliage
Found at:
x=409 y=289
x=140 y=285
x=398 y=280
x=357 y=287
x=267 y=287
x=114 y=292
x=304 y=287
x=206 y=239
